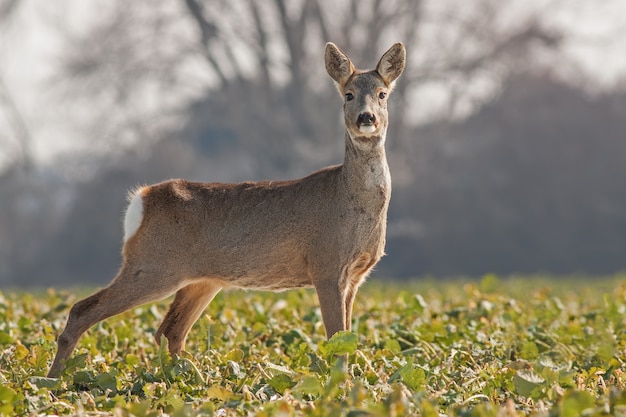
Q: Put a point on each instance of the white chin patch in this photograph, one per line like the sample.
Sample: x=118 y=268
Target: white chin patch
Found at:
x=367 y=129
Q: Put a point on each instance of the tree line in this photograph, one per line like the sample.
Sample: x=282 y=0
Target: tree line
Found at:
x=498 y=164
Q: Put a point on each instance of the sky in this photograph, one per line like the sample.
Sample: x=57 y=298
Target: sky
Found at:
x=31 y=45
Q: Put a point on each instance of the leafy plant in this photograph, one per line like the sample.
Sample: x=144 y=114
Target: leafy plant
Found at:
x=525 y=346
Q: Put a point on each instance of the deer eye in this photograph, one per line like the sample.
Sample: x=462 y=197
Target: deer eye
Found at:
x=382 y=95
x=349 y=96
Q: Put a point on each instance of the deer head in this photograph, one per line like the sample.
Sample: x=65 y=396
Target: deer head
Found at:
x=365 y=93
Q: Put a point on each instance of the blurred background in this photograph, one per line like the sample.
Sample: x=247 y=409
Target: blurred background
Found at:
x=507 y=143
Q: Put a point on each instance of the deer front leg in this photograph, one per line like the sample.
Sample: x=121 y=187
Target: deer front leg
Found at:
x=187 y=306
x=333 y=306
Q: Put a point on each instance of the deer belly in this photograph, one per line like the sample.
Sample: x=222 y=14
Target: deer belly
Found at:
x=253 y=270
x=270 y=282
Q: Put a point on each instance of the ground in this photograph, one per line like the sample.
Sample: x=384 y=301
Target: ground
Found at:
x=553 y=346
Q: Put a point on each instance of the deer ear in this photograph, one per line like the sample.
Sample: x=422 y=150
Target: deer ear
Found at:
x=392 y=63
x=338 y=65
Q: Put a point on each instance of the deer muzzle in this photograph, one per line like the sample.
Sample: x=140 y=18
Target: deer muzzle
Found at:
x=366 y=122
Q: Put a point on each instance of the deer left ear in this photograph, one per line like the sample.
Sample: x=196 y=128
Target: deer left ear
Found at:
x=392 y=63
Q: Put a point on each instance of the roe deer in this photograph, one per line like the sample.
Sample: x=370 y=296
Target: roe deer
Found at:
x=326 y=230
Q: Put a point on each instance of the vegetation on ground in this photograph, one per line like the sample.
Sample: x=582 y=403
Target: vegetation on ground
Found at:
x=521 y=346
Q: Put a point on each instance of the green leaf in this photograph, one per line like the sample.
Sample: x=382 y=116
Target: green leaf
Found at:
x=42 y=382
x=340 y=343
x=5 y=339
x=82 y=378
x=281 y=382
x=24 y=322
x=428 y=409
x=606 y=347
x=7 y=398
x=186 y=366
x=295 y=336
x=165 y=360
x=318 y=365
x=21 y=351
x=338 y=375
x=132 y=359
x=218 y=393
x=529 y=351
x=393 y=345
x=414 y=378
x=107 y=381
x=574 y=403
x=420 y=303
x=567 y=379
x=39 y=357
x=235 y=355
x=141 y=408
x=278 y=368
x=410 y=375
x=75 y=362
x=309 y=385
x=528 y=383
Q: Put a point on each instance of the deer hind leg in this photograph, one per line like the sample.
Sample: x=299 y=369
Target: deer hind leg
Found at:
x=354 y=283
x=188 y=305
x=129 y=289
x=357 y=272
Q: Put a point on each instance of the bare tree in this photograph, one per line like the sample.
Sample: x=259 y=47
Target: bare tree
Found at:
x=18 y=138
x=217 y=90
x=150 y=60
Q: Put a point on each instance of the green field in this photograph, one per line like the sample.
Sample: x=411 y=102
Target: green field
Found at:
x=495 y=347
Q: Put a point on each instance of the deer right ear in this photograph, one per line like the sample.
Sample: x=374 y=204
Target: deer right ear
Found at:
x=338 y=65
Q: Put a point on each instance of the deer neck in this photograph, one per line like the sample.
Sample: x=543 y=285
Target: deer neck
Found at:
x=365 y=167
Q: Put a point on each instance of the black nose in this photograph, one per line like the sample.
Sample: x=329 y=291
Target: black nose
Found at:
x=366 y=119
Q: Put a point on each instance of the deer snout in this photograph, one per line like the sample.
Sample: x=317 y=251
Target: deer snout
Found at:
x=366 y=119
x=366 y=122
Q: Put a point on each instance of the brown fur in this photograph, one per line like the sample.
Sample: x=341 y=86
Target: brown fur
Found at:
x=325 y=231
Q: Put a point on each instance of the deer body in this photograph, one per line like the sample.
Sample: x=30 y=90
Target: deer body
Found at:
x=326 y=230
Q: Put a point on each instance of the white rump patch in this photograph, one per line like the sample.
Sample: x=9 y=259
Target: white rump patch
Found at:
x=134 y=214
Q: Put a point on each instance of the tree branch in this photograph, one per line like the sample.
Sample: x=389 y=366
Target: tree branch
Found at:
x=208 y=32
x=22 y=133
x=262 y=43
